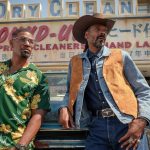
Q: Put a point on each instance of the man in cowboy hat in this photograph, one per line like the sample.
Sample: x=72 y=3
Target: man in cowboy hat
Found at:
x=105 y=91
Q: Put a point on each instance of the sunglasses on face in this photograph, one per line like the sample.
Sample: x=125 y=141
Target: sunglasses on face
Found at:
x=25 y=39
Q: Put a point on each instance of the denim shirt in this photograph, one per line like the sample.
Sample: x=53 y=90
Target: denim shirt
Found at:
x=94 y=97
x=136 y=80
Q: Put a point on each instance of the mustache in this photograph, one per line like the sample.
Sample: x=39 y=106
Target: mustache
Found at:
x=102 y=36
x=26 y=47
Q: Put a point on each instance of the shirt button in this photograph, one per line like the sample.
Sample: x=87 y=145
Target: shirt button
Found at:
x=96 y=80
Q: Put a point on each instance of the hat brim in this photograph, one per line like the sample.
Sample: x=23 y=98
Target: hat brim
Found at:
x=83 y=23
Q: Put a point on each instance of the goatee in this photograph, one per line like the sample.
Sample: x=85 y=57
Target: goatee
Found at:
x=25 y=54
x=100 y=41
x=99 y=44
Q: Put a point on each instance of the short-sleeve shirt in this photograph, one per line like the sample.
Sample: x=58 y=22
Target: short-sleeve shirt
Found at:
x=20 y=92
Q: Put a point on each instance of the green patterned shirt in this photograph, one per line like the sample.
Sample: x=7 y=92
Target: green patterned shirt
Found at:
x=20 y=92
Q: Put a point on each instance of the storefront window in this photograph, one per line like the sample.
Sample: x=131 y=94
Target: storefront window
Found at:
x=57 y=85
x=143 y=6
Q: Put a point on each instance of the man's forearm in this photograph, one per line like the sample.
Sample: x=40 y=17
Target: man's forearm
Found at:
x=32 y=127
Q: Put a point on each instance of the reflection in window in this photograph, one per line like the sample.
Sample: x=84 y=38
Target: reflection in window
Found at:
x=143 y=6
x=57 y=86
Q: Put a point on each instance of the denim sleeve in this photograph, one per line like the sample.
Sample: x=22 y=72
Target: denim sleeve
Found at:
x=139 y=85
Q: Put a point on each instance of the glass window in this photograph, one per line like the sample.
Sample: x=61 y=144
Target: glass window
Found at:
x=57 y=85
x=143 y=6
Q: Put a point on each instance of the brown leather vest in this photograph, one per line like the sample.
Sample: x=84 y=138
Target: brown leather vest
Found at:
x=114 y=77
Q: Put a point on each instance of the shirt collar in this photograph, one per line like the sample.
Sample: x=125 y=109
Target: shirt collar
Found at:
x=105 y=52
x=102 y=53
x=91 y=54
x=29 y=66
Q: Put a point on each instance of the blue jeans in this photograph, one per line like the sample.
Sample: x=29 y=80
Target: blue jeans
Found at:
x=104 y=134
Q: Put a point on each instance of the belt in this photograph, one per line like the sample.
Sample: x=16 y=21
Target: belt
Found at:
x=107 y=112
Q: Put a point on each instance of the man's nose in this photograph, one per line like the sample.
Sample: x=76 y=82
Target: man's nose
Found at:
x=27 y=42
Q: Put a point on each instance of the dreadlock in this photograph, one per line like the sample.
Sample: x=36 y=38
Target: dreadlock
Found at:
x=86 y=46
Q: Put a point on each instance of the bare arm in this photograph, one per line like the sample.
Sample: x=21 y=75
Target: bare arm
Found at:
x=32 y=127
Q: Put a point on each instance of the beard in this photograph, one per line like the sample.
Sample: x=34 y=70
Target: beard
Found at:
x=25 y=54
x=100 y=41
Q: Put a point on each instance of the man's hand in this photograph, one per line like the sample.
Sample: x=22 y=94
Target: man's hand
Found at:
x=132 y=137
x=65 y=118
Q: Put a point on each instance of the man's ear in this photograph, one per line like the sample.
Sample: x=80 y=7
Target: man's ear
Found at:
x=86 y=35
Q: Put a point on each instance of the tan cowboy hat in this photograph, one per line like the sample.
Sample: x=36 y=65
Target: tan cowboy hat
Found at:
x=84 y=22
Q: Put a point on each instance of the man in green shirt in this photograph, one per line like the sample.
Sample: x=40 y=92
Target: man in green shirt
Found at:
x=24 y=96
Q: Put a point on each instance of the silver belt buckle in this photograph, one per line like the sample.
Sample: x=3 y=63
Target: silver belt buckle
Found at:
x=107 y=113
